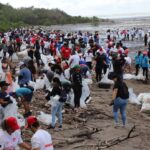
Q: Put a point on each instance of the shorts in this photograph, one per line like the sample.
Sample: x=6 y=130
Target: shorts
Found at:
x=28 y=97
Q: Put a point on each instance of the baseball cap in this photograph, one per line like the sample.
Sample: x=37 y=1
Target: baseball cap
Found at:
x=76 y=67
x=4 y=83
x=11 y=122
x=21 y=63
x=30 y=121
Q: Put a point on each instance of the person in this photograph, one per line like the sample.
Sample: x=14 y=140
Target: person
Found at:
x=66 y=52
x=118 y=64
x=10 y=136
x=57 y=104
x=77 y=85
x=24 y=75
x=26 y=95
x=74 y=59
x=88 y=58
x=41 y=140
x=138 y=59
x=145 y=64
x=100 y=59
x=119 y=98
x=4 y=97
x=145 y=39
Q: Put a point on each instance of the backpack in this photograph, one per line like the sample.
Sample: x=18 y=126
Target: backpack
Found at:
x=63 y=96
x=124 y=93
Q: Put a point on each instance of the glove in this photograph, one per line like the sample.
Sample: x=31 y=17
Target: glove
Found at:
x=111 y=103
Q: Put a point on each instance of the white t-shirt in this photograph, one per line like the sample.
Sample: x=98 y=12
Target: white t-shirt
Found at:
x=42 y=139
x=88 y=57
x=10 y=142
x=75 y=60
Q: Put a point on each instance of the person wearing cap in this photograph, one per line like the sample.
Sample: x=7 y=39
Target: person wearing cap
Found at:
x=10 y=136
x=41 y=140
x=26 y=95
x=76 y=79
x=24 y=75
x=145 y=64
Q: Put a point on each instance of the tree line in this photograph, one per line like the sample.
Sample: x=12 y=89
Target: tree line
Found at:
x=12 y=18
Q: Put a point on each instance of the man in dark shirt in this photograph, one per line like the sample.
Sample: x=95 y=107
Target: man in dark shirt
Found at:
x=77 y=85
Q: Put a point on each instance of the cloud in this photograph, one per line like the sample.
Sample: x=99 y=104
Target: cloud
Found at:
x=86 y=7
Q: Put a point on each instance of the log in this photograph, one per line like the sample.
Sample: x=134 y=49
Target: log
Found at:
x=87 y=133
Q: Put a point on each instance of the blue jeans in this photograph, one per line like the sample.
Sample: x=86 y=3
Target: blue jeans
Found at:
x=57 y=110
x=121 y=104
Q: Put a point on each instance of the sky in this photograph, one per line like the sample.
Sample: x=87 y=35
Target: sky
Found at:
x=100 y=8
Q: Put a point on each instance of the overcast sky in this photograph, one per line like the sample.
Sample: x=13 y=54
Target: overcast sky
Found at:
x=88 y=7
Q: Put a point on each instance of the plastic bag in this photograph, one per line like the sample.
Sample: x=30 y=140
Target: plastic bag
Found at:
x=128 y=76
x=54 y=100
x=105 y=79
x=145 y=108
x=142 y=97
x=14 y=57
x=45 y=118
x=22 y=53
x=132 y=97
x=88 y=81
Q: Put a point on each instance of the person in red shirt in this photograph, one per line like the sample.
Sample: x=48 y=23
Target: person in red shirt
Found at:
x=65 y=51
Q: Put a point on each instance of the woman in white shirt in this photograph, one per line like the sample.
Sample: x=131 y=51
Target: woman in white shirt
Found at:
x=10 y=135
x=88 y=58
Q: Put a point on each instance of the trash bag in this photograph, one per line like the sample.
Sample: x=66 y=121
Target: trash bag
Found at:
x=133 y=98
x=22 y=53
x=128 y=76
x=145 y=108
x=88 y=81
x=15 y=57
x=45 y=118
x=142 y=97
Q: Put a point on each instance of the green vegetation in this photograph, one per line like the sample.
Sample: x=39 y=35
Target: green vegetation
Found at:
x=11 y=17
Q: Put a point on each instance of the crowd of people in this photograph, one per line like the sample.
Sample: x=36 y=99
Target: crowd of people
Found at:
x=75 y=56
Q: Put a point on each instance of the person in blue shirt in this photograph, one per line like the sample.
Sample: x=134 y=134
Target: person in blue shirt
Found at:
x=138 y=60
x=26 y=95
x=145 y=64
x=25 y=75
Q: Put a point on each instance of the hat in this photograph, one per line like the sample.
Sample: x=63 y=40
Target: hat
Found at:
x=30 y=121
x=76 y=67
x=4 y=83
x=11 y=123
x=21 y=63
x=145 y=53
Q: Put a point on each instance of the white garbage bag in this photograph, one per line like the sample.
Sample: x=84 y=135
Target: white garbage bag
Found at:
x=105 y=79
x=88 y=81
x=45 y=118
x=142 y=97
x=22 y=53
x=133 y=98
x=128 y=76
x=145 y=108
x=15 y=57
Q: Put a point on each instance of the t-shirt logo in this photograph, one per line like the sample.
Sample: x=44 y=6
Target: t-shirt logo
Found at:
x=14 y=139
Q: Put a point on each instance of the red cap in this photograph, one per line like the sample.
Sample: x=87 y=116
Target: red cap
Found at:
x=12 y=123
x=31 y=120
x=145 y=53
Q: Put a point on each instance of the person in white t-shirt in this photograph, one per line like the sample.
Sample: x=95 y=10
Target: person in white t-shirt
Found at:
x=10 y=135
x=41 y=140
x=74 y=60
x=88 y=58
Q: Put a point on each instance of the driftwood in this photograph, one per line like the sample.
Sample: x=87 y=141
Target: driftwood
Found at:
x=109 y=143
x=87 y=133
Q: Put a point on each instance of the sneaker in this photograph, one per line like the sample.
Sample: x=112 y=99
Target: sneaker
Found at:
x=50 y=127
x=60 y=127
